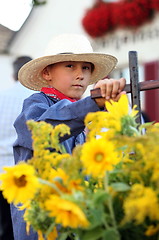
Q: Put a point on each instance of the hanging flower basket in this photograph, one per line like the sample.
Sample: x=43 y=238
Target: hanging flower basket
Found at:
x=105 y=17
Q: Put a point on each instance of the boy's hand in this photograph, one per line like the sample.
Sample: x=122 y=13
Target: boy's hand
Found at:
x=110 y=89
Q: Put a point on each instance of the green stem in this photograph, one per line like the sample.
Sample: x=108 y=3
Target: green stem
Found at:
x=110 y=205
x=63 y=150
x=135 y=130
x=106 y=225
x=76 y=237
x=49 y=230
x=51 y=185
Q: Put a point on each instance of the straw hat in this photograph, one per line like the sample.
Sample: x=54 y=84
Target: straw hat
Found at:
x=66 y=47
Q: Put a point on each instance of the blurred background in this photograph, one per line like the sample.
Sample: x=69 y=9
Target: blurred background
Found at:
x=114 y=27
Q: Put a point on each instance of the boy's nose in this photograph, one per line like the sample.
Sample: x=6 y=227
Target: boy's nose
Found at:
x=79 y=74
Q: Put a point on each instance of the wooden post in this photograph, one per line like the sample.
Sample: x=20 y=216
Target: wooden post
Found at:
x=135 y=86
x=134 y=83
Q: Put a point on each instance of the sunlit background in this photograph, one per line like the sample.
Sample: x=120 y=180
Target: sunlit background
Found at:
x=26 y=30
x=13 y=13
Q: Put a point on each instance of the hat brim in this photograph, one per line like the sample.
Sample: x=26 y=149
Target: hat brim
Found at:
x=30 y=74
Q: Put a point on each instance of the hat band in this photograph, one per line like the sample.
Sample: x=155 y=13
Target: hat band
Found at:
x=65 y=53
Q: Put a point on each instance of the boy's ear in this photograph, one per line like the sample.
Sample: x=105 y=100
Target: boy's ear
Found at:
x=46 y=74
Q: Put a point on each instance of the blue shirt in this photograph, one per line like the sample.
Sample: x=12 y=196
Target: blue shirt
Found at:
x=40 y=107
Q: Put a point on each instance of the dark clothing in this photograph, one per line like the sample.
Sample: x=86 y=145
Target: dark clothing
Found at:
x=40 y=107
x=6 y=231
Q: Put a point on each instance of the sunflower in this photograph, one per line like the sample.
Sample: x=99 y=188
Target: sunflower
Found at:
x=52 y=236
x=19 y=183
x=98 y=156
x=119 y=112
x=59 y=178
x=66 y=213
x=120 y=108
x=62 y=181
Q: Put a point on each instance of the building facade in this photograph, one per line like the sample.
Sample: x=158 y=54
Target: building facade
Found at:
x=59 y=16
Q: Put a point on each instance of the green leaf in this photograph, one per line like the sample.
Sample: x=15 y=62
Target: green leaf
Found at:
x=63 y=236
x=111 y=234
x=96 y=217
x=38 y=2
x=120 y=187
x=145 y=125
x=99 y=197
x=94 y=234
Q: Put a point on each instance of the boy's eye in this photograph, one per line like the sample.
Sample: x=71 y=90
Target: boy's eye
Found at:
x=69 y=65
x=86 y=67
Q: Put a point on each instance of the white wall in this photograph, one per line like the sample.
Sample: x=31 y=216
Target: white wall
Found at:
x=46 y=21
x=6 y=71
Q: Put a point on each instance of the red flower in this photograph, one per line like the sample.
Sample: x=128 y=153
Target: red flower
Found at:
x=155 y=4
x=97 y=21
x=104 y=17
x=133 y=13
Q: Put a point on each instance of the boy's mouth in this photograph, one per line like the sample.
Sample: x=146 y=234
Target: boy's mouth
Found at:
x=77 y=85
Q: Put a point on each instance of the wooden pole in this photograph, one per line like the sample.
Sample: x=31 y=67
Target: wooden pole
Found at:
x=135 y=86
x=134 y=83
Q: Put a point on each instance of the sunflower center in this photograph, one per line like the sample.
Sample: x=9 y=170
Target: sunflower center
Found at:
x=99 y=157
x=21 y=181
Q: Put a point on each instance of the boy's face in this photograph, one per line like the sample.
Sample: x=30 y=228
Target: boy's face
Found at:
x=70 y=78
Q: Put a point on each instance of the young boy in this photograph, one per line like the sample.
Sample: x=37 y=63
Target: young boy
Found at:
x=62 y=77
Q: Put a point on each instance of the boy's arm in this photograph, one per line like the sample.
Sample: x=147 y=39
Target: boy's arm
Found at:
x=39 y=108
